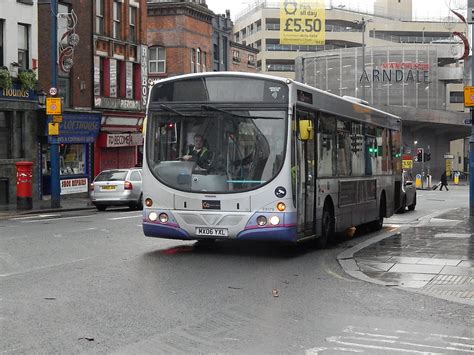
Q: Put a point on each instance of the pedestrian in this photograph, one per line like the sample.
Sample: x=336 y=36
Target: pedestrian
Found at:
x=444 y=182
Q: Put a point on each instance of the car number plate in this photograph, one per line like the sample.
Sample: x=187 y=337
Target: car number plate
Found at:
x=108 y=187
x=214 y=232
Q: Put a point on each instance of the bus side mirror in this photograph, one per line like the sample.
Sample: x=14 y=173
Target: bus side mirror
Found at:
x=306 y=130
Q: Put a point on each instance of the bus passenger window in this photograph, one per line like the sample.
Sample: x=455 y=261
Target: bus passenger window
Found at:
x=326 y=145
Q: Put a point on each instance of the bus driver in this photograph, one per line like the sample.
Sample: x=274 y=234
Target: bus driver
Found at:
x=198 y=153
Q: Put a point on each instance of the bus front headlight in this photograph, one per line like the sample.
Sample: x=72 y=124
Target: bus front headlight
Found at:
x=153 y=216
x=163 y=217
x=274 y=220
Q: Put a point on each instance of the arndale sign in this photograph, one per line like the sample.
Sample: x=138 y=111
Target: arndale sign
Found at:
x=398 y=72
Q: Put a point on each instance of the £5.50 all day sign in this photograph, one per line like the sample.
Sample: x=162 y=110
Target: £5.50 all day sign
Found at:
x=302 y=22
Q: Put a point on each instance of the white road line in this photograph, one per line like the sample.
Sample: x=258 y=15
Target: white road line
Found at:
x=35 y=216
x=44 y=267
x=127 y=217
x=57 y=219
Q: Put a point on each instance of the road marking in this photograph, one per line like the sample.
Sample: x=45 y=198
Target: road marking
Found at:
x=44 y=267
x=35 y=216
x=126 y=217
x=57 y=219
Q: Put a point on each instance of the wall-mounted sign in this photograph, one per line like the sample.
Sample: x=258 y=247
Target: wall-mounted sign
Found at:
x=407 y=164
x=117 y=104
x=124 y=140
x=53 y=129
x=144 y=74
x=398 y=72
x=78 y=128
x=17 y=93
x=302 y=22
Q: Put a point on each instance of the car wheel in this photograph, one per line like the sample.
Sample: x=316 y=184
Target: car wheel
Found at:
x=413 y=205
x=327 y=227
x=101 y=207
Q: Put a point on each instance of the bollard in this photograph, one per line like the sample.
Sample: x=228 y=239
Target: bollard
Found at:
x=456 y=178
x=418 y=181
x=24 y=185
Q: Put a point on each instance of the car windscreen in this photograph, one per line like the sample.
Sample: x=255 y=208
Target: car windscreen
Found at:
x=112 y=175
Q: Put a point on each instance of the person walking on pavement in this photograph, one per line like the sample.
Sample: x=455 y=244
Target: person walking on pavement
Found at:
x=444 y=182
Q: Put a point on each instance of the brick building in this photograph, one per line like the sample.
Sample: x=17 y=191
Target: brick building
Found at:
x=179 y=38
x=102 y=76
x=244 y=58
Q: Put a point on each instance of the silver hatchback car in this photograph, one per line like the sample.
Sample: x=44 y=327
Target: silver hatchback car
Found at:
x=117 y=187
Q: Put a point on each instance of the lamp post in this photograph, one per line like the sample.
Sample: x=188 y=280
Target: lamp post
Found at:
x=423 y=35
x=363 y=22
x=54 y=146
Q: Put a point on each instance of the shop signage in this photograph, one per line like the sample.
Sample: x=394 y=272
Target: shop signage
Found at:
x=144 y=72
x=16 y=93
x=398 y=72
x=74 y=186
x=124 y=140
x=117 y=104
x=78 y=128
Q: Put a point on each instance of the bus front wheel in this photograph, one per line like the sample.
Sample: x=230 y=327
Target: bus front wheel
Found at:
x=327 y=227
x=378 y=223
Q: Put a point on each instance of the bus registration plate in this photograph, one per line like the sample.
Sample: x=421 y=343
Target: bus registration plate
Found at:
x=214 y=232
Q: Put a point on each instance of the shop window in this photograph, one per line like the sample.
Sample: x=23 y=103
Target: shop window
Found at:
x=23 y=46
x=456 y=97
x=72 y=160
x=157 y=60
x=5 y=136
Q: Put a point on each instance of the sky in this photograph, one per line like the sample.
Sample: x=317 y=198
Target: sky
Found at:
x=421 y=8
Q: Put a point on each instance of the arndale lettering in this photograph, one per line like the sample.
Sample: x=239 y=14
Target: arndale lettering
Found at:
x=397 y=75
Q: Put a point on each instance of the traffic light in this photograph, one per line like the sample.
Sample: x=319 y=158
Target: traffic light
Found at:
x=419 y=155
x=428 y=156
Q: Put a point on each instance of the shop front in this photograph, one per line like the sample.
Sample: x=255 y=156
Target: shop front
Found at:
x=77 y=134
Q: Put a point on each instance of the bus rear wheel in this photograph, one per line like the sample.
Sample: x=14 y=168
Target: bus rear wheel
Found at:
x=327 y=227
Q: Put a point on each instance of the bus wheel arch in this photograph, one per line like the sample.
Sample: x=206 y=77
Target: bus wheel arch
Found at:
x=378 y=223
x=327 y=224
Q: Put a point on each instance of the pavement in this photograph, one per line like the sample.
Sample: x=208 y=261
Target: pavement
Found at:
x=434 y=257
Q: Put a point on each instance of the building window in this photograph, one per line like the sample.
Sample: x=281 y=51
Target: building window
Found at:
x=64 y=90
x=157 y=60
x=216 y=52
x=204 y=61
x=132 y=14
x=198 y=60
x=236 y=56
x=193 y=60
x=456 y=97
x=117 y=18
x=99 y=16
x=1 y=44
x=23 y=53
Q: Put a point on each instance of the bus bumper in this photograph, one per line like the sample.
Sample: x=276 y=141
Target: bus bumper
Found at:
x=274 y=234
x=163 y=231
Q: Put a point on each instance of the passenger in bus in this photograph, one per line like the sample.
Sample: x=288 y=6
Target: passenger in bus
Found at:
x=199 y=153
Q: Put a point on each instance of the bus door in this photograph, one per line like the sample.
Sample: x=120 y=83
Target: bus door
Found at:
x=306 y=173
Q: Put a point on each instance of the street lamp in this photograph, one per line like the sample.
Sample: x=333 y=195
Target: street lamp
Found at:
x=363 y=23
x=41 y=96
x=423 y=35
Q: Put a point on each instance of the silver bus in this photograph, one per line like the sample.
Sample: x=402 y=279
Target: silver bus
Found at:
x=253 y=157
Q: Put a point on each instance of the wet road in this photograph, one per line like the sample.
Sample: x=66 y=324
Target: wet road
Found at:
x=91 y=283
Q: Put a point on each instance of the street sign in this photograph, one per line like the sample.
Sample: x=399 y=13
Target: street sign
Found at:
x=469 y=96
x=407 y=164
x=449 y=156
x=468 y=121
x=53 y=129
x=53 y=106
x=53 y=91
x=57 y=119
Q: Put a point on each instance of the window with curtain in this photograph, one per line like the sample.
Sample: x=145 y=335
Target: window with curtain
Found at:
x=132 y=21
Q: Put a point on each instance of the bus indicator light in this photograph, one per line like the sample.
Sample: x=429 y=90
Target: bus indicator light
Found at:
x=149 y=202
x=281 y=206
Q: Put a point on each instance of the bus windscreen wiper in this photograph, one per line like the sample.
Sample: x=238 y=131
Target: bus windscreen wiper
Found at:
x=217 y=109
x=169 y=109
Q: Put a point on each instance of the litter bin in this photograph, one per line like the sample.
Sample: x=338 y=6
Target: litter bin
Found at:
x=24 y=185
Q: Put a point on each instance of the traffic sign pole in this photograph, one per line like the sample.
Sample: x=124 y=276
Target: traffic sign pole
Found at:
x=54 y=146
x=471 y=144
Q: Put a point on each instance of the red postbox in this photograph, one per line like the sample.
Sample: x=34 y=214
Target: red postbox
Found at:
x=24 y=185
